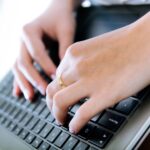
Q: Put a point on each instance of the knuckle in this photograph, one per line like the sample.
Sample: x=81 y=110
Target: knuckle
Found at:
x=73 y=50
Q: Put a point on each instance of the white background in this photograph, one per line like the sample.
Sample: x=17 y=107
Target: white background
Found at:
x=13 y=15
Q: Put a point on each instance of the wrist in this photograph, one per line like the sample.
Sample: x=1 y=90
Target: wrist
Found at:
x=143 y=24
x=139 y=33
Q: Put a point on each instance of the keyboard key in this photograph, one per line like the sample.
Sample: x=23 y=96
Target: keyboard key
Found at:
x=92 y=148
x=2 y=103
x=26 y=104
x=30 y=138
x=94 y=119
x=17 y=130
x=6 y=106
x=36 y=143
x=1 y=88
x=11 y=126
x=1 y=116
x=53 y=148
x=111 y=121
x=61 y=139
x=7 y=122
x=21 y=116
x=44 y=113
x=40 y=107
x=53 y=134
x=46 y=130
x=81 y=146
x=100 y=137
x=23 y=134
x=75 y=108
x=50 y=118
x=70 y=144
x=15 y=112
x=127 y=105
x=86 y=131
x=32 y=123
x=10 y=110
x=14 y=99
x=26 y=119
x=142 y=94
x=2 y=120
x=22 y=101
x=39 y=126
x=6 y=92
x=66 y=124
x=56 y=123
x=44 y=146
x=33 y=106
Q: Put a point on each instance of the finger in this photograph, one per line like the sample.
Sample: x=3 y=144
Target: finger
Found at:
x=27 y=68
x=35 y=45
x=65 y=98
x=16 y=89
x=87 y=111
x=24 y=85
x=52 y=88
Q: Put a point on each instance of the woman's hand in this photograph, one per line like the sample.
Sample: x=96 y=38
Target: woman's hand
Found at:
x=59 y=24
x=106 y=69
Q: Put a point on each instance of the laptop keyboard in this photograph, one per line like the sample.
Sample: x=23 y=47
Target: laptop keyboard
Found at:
x=34 y=124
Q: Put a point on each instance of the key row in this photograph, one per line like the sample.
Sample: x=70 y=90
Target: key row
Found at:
x=57 y=136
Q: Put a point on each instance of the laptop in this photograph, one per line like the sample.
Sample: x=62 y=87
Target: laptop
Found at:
x=26 y=126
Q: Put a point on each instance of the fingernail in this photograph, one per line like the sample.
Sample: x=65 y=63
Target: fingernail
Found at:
x=26 y=94
x=72 y=130
x=42 y=90
x=58 y=123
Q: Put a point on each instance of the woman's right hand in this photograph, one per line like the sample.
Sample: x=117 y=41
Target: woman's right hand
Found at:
x=59 y=24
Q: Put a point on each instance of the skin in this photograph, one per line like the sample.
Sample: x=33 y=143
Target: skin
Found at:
x=54 y=23
x=106 y=69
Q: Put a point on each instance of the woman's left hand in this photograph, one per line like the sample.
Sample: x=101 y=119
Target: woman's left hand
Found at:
x=106 y=69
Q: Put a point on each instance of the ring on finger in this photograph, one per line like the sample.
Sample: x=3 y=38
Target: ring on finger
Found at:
x=60 y=81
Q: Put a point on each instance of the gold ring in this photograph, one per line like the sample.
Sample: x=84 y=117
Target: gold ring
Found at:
x=61 y=82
